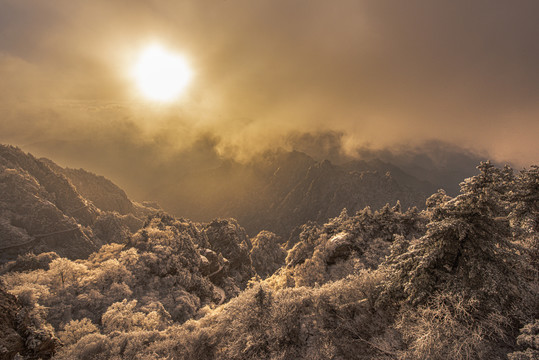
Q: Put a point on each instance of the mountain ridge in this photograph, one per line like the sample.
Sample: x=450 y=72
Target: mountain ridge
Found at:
x=41 y=210
x=279 y=190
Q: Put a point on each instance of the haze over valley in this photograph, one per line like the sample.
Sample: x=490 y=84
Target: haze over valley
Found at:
x=269 y=180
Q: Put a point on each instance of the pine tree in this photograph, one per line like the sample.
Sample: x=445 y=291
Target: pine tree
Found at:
x=466 y=249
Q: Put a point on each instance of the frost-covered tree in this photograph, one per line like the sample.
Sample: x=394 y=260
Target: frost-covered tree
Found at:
x=528 y=340
x=76 y=330
x=65 y=272
x=525 y=214
x=466 y=258
x=466 y=249
x=525 y=195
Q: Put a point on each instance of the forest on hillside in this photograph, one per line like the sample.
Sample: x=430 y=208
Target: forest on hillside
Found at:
x=457 y=280
x=269 y=180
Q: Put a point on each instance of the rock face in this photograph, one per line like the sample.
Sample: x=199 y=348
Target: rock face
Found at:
x=340 y=246
x=228 y=238
x=18 y=334
x=267 y=254
x=41 y=210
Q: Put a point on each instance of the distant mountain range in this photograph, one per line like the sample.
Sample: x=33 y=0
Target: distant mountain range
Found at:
x=45 y=207
x=280 y=190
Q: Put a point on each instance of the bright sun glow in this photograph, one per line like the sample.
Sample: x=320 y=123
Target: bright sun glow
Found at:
x=161 y=75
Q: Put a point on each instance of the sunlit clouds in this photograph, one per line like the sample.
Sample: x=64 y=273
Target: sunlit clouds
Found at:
x=250 y=73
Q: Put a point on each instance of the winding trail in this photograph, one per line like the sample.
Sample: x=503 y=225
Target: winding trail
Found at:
x=78 y=209
x=216 y=272
x=37 y=237
x=217 y=288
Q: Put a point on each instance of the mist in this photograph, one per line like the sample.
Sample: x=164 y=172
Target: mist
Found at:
x=337 y=81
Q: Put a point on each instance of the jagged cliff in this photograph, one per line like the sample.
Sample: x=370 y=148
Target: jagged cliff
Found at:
x=282 y=190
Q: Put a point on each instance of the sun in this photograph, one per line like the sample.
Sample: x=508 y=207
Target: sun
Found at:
x=161 y=75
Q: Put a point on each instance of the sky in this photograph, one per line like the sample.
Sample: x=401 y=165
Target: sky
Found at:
x=382 y=74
